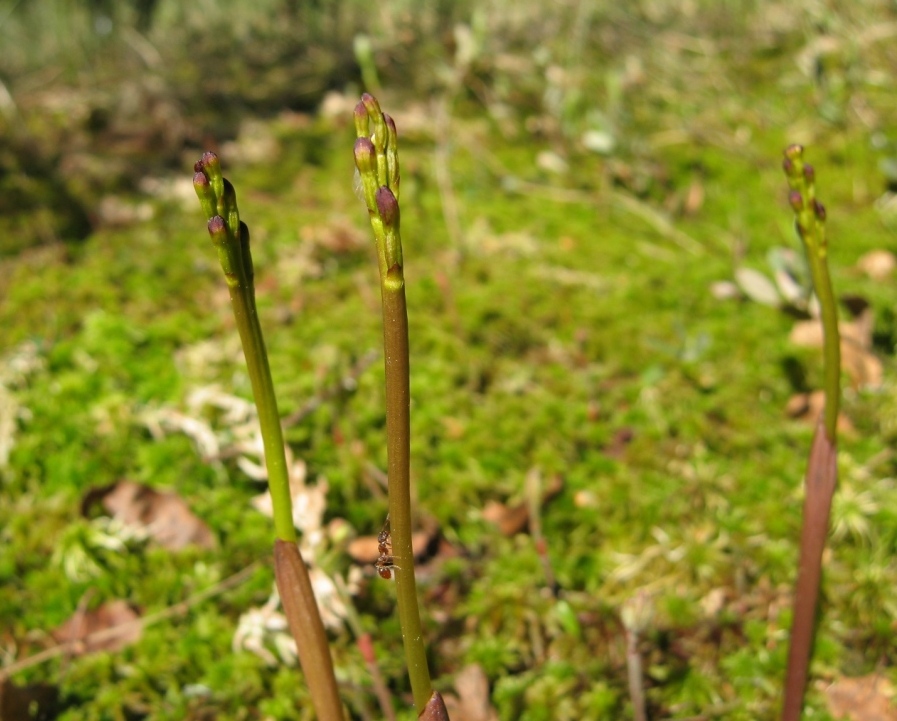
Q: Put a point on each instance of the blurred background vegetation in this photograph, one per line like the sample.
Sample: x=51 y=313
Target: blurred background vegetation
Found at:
x=592 y=199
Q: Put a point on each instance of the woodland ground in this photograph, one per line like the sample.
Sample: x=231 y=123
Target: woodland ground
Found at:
x=581 y=189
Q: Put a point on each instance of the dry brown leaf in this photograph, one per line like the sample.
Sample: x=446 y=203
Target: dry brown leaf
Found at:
x=877 y=264
x=114 y=618
x=807 y=407
x=757 y=287
x=512 y=520
x=164 y=516
x=694 y=198
x=857 y=360
x=865 y=698
x=365 y=549
x=472 y=700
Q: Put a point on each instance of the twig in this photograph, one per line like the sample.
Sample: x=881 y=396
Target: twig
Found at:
x=112 y=632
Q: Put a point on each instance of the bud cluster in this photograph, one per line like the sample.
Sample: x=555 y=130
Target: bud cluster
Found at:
x=377 y=162
x=229 y=234
x=809 y=213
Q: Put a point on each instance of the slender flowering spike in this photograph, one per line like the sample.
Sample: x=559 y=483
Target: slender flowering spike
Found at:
x=377 y=161
x=231 y=239
x=822 y=470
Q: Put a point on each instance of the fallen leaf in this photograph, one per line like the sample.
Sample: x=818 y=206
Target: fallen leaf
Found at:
x=365 y=550
x=724 y=290
x=857 y=360
x=757 y=287
x=512 y=520
x=110 y=627
x=865 y=698
x=164 y=516
x=694 y=197
x=472 y=700
x=807 y=407
x=38 y=701
x=877 y=264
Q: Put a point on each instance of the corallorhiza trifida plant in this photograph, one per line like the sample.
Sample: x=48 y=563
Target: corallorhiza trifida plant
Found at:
x=230 y=236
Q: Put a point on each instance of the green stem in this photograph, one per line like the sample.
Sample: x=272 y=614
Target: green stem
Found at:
x=231 y=238
x=245 y=313
x=831 y=348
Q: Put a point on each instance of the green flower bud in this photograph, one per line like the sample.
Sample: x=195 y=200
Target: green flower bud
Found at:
x=227 y=205
x=217 y=230
x=204 y=192
x=794 y=152
x=211 y=166
x=365 y=156
x=372 y=106
x=361 y=120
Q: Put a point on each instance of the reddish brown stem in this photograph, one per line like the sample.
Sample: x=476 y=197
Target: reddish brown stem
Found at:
x=300 y=607
x=822 y=477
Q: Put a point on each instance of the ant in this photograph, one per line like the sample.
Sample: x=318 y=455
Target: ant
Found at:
x=385 y=564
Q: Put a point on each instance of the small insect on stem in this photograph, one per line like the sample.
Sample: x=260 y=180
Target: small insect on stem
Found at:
x=385 y=564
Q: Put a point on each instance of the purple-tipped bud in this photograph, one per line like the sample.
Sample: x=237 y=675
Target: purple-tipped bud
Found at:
x=819 y=210
x=371 y=105
x=796 y=200
x=387 y=206
x=809 y=173
x=365 y=156
x=210 y=160
x=361 y=120
x=197 y=166
x=788 y=166
x=203 y=187
x=794 y=152
x=217 y=227
x=391 y=124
